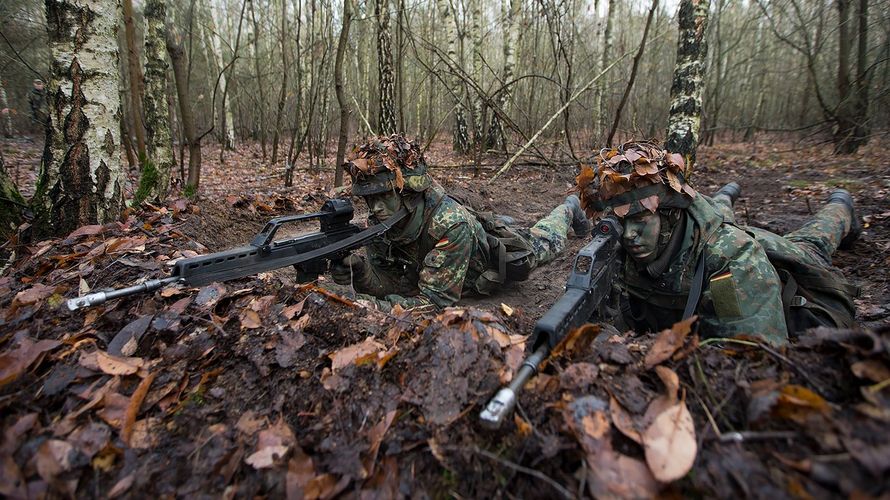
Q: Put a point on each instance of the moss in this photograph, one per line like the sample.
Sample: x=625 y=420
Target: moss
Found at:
x=148 y=182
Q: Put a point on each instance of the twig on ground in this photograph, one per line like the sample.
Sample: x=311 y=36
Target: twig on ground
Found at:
x=538 y=474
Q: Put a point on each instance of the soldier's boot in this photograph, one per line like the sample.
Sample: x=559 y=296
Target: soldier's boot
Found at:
x=843 y=197
x=731 y=191
x=580 y=222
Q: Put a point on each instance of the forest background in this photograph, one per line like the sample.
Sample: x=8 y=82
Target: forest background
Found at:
x=306 y=78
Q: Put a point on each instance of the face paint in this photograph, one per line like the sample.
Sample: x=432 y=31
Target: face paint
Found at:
x=640 y=238
x=382 y=206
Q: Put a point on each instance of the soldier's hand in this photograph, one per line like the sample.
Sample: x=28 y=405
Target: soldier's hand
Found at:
x=348 y=270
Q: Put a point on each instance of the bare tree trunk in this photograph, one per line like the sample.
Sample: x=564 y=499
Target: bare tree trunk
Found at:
x=80 y=180
x=478 y=108
x=11 y=203
x=226 y=121
x=844 y=143
x=154 y=182
x=261 y=90
x=190 y=135
x=684 y=121
x=5 y=116
x=338 y=88
x=460 y=139
x=633 y=73
x=230 y=130
x=386 y=114
x=282 y=94
x=863 y=78
x=511 y=11
x=135 y=76
x=602 y=101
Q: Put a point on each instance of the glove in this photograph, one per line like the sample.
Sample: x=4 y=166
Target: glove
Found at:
x=348 y=270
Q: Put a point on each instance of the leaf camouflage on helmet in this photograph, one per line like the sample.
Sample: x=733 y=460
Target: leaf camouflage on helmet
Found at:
x=387 y=163
x=634 y=177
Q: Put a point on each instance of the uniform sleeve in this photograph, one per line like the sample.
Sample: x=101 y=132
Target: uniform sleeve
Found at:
x=442 y=273
x=742 y=294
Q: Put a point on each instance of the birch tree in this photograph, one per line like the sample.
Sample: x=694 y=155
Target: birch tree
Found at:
x=386 y=82
x=154 y=182
x=226 y=121
x=684 y=121
x=5 y=116
x=511 y=12
x=461 y=140
x=80 y=180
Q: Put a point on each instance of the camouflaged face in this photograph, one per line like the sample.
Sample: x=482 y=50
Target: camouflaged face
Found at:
x=387 y=163
x=636 y=176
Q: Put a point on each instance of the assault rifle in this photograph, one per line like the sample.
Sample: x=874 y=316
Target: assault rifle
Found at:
x=589 y=283
x=310 y=254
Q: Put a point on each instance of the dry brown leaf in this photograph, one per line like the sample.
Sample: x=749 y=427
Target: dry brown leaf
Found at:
x=668 y=341
x=624 y=421
x=375 y=436
x=114 y=409
x=507 y=309
x=670 y=380
x=669 y=443
x=272 y=444
x=349 y=354
x=250 y=319
x=576 y=339
x=133 y=408
x=117 y=365
x=622 y=210
x=16 y=361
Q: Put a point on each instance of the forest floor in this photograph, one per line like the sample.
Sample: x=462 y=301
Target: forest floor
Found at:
x=262 y=386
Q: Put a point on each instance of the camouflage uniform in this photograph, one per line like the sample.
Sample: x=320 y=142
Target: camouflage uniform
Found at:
x=742 y=292
x=443 y=252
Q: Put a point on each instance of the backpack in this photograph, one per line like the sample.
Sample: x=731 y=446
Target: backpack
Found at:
x=511 y=257
x=813 y=295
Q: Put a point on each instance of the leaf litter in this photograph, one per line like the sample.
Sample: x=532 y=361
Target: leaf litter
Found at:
x=232 y=389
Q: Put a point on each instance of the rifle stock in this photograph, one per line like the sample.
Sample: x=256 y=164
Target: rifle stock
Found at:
x=589 y=283
x=309 y=253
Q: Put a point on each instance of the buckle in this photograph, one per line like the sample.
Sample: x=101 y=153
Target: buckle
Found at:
x=798 y=301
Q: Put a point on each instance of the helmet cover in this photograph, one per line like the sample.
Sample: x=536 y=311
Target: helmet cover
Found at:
x=634 y=177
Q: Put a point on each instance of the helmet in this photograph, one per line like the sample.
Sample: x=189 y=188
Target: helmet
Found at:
x=636 y=176
x=388 y=163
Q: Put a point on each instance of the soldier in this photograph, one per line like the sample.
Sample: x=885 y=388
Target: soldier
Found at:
x=37 y=100
x=687 y=255
x=441 y=249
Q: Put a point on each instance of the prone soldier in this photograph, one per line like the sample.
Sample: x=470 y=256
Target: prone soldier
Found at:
x=442 y=250
x=686 y=254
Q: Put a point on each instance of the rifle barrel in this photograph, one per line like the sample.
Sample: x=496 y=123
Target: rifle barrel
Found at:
x=96 y=298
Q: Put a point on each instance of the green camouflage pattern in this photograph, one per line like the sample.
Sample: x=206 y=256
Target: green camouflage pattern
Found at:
x=433 y=267
x=742 y=294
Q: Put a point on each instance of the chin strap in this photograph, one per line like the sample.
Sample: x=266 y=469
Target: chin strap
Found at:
x=671 y=249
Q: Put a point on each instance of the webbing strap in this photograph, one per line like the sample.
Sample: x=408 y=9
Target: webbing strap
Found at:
x=695 y=291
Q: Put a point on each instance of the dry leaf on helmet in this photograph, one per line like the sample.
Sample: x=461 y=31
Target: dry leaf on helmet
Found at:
x=622 y=210
x=400 y=179
x=361 y=164
x=673 y=180
x=650 y=203
x=676 y=159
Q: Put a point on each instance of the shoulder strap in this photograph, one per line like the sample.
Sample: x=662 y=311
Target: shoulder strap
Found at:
x=695 y=291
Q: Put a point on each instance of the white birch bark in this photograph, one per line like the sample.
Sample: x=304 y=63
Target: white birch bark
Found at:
x=227 y=122
x=80 y=179
x=461 y=139
x=155 y=181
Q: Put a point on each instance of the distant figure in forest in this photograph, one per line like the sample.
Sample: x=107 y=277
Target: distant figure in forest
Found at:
x=37 y=101
x=441 y=250
x=686 y=254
